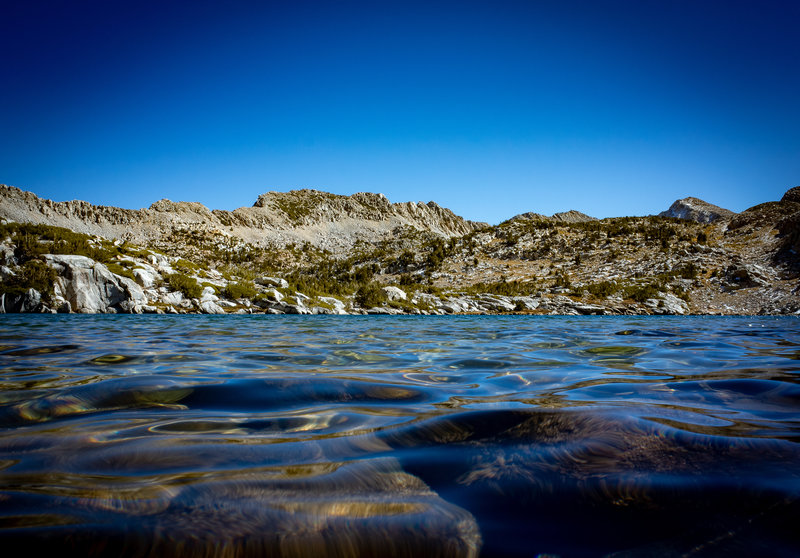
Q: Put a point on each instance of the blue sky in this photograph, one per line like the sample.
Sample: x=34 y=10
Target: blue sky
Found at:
x=488 y=108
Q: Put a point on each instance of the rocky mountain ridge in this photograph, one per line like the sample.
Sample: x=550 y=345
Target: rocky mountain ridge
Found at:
x=395 y=258
x=326 y=221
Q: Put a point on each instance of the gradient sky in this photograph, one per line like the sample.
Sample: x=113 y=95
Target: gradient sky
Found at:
x=489 y=108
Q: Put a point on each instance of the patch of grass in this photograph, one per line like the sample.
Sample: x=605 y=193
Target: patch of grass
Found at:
x=185 y=266
x=117 y=269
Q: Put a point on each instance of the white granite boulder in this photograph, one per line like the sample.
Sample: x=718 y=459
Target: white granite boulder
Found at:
x=91 y=288
x=394 y=293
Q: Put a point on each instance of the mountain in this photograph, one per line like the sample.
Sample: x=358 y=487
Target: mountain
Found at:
x=694 y=209
x=308 y=251
x=277 y=219
x=570 y=216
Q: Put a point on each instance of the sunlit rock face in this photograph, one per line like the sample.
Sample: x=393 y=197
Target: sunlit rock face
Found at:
x=324 y=220
x=91 y=288
x=694 y=209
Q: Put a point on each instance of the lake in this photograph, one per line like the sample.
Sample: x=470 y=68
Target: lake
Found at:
x=400 y=435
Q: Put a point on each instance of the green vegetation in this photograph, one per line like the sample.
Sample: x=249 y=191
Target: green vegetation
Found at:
x=370 y=295
x=297 y=208
x=33 y=274
x=603 y=289
x=239 y=289
x=185 y=284
x=505 y=288
x=438 y=250
x=119 y=269
x=34 y=240
x=640 y=293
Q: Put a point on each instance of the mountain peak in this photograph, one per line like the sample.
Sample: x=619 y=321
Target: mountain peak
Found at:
x=697 y=210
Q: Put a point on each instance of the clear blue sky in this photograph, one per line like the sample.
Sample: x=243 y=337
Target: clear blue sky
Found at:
x=489 y=108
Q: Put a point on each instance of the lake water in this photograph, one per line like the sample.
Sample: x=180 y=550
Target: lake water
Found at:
x=400 y=436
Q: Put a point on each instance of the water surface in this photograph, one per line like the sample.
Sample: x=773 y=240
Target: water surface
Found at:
x=409 y=436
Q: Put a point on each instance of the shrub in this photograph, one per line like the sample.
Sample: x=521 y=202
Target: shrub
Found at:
x=185 y=284
x=640 y=293
x=506 y=288
x=602 y=289
x=33 y=240
x=239 y=289
x=33 y=274
x=687 y=271
x=370 y=295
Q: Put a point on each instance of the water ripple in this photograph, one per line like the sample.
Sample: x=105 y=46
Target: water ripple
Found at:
x=400 y=436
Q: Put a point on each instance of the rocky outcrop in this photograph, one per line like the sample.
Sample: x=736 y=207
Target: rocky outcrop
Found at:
x=697 y=210
x=394 y=294
x=792 y=195
x=769 y=214
x=27 y=302
x=89 y=287
x=570 y=216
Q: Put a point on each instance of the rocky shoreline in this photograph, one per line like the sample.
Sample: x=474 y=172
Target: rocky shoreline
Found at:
x=695 y=258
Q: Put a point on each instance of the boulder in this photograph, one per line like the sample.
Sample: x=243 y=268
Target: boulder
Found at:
x=211 y=307
x=394 y=293
x=498 y=303
x=589 y=309
x=384 y=311
x=7 y=254
x=528 y=302
x=91 y=288
x=744 y=275
x=146 y=276
x=666 y=303
x=208 y=295
x=460 y=305
x=6 y=273
x=338 y=305
x=173 y=298
x=301 y=298
x=30 y=301
x=273 y=282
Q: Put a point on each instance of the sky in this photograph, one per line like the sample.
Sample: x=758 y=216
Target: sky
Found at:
x=491 y=109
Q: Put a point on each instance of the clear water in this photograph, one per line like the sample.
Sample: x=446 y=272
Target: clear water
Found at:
x=409 y=436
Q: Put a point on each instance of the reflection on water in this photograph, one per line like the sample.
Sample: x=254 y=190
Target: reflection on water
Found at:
x=400 y=436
